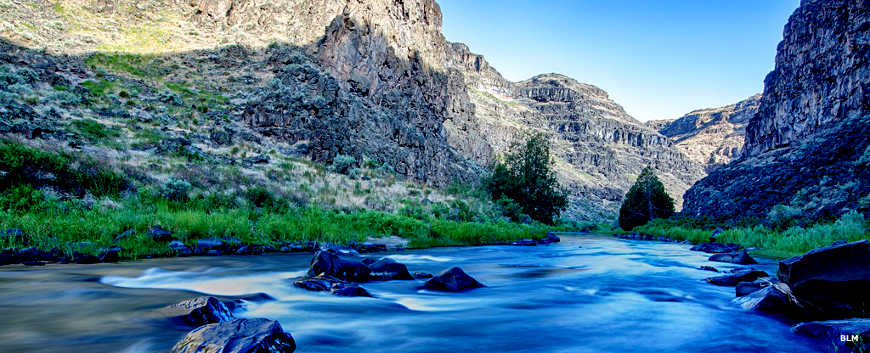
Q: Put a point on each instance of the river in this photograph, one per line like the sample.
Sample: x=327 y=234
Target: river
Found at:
x=585 y=294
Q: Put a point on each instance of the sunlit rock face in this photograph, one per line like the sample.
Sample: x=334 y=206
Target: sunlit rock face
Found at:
x=807 y=147
x=712 y=136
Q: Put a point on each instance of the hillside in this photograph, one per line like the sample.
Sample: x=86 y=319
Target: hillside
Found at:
x=304 y=79
x=712 y=136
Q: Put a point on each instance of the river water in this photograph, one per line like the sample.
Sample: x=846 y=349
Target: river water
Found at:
x=585 y=294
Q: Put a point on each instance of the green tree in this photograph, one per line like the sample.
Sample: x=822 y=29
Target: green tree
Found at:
x=525 y=176
x=647 y=199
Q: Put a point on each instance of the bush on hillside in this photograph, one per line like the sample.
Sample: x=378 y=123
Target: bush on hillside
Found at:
x=647 y=199
x=526 y=177
x=343 y=164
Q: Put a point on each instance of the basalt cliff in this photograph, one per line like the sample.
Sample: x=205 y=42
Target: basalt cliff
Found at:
x=375 y=80
x=807 y=150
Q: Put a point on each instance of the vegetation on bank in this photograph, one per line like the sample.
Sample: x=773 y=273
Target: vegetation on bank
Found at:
x=645 y=201
x=768 y=241
x=524 y=184
x=69 y=202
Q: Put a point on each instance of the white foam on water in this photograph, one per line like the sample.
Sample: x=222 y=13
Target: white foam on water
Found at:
x=139 y=347
x=416 y=259
x=208 y=282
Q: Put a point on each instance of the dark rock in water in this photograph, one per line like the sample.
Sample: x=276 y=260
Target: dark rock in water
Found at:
x=314 y=284
x=159 y=234
x=350 y=291
x=8 y=257
x=237 y=336
x=550 y=238
x=452 y=280
x=179 y=248
x=525 y=242
x=345 y=267
x=708 y=268
x=33 y=263
x=835 y=279
x=80 y=258
x=716 y=248
x=742 y=275
x=387 y=269
x=111 y=254
x=200 y=311
x=206 y=244
x=34 y=254
x=368 y=247
x=774 y=299
x=334 y=285
x=856 y=332
x=740 y=258
x=422 y=275
x=744 y=288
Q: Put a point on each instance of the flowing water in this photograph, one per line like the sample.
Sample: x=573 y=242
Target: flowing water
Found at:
x=585 y=294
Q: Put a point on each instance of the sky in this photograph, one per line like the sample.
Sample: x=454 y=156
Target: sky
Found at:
x=658 y=59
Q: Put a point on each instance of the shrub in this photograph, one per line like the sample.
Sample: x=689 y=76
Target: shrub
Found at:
x=93 y=130
x=176 y=190
x=645 y=200
x=526 y=177
x=510 y=208
x=342 y=164
x=783 y=216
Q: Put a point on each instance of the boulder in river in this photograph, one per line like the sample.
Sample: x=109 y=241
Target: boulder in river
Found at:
x=835 y=279
x=237 y=336
x=179 y=249
x=323 y=283
x=387 y=269
x=422 y=275
x=549 y=238
x=740 y=258
x=452 y=280
x=200 y=311
x=741 y=275
x=525 y=242
x=716 y=248
x=851 y=334
x=708 y=268
x=774 y=299
x=745 y=288
x=8 y=257
x=344 y=266
x=110 y=254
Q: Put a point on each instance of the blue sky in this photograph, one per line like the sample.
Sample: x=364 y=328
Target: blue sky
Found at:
x=659 y=59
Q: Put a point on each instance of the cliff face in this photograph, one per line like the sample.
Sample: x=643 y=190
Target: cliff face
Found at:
x=807 y=147
x=820 y=77
x=713 y=136
x=372 y=79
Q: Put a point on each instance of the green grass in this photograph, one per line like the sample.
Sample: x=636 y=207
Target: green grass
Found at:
x=71 y=172
x=770 y=242
x=94 y=131
x=141 y=66
x=64 y=224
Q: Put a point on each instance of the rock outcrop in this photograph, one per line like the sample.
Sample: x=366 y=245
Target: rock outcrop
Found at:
x=597 y=146
x=713 y=136
x=808 y=147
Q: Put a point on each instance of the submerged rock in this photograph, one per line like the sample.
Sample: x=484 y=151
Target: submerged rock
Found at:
x=708 y=268
x=422 y=275
x=741 y=275
x=387 y=269
x=237 y=336
x=716 y=248
x=346 y=267
x=452 y=280
x=525 y=242
x=350 y=291
x=549 y=238
x=334 y=285
x=200 y=311
x=740 y=258
x=835 y=278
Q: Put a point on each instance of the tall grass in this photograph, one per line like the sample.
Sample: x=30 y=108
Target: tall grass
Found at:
x=72 y=226
x=792 y=241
